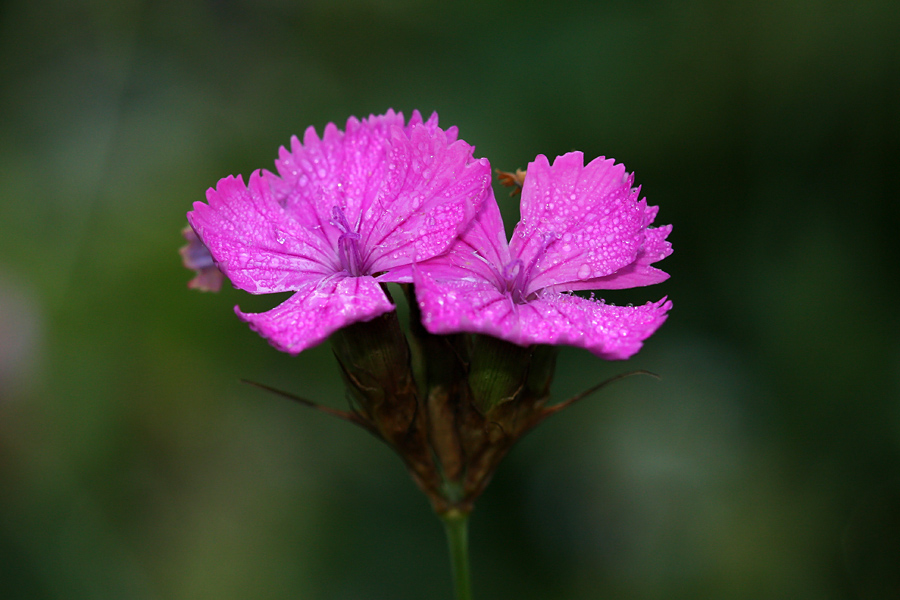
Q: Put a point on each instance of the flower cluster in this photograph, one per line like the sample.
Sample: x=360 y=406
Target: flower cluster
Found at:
x=386 y=200
x=390 y=201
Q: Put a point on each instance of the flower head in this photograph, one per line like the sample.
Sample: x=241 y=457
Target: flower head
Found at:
x=343 y=213
x=582 y=228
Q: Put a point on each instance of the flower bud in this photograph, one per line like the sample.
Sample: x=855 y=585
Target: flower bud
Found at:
x=497 y=371
x=375 y=364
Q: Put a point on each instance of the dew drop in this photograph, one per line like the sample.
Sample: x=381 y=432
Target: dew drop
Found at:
x=584 y=271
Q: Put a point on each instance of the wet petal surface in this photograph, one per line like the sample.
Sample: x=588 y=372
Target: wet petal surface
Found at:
x=317 y=310
x=476 y=306
x=255 y=242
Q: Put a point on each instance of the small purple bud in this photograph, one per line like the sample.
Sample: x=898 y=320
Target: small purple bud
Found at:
x=195 y=255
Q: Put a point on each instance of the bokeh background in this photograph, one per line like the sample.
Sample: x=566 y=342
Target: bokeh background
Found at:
x=764 y=464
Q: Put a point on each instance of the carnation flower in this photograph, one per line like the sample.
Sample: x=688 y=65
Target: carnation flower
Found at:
x=582 y=228
x=343 y=213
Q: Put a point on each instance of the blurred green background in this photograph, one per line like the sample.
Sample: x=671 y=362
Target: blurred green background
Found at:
x=764 y=464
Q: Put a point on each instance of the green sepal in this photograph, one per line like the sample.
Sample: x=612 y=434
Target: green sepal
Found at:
x=498 y=371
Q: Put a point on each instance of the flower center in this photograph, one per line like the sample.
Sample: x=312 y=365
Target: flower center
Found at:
x=516 y=275
x=348 y=243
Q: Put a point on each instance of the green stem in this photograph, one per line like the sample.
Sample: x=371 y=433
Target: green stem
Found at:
x=456 y=525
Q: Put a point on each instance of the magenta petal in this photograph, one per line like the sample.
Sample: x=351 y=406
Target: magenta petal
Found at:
x=407 y=191
x=344 y=169
x=579 y=222
x=462 y=304
x=433 y=189
x=480 y=252
x=637 y=274
x=475 y=306
x=316 y=311
x=431 y=125
x=611 y=332
x=486 y=235
x=254 y=242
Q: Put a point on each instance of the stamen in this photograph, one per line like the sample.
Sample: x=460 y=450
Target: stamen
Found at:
x=348 y=243
x=516 y=275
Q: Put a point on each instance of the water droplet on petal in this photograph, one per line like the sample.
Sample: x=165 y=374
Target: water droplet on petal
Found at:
x=584 y=271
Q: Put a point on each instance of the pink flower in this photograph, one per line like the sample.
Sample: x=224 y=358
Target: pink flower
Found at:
x=582 y=228
x=342 y=214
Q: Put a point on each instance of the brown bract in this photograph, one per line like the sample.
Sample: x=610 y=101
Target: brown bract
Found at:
x=450 y=406
x=514 y=180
